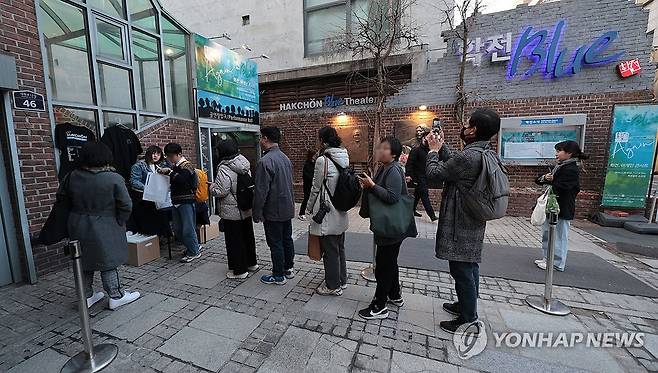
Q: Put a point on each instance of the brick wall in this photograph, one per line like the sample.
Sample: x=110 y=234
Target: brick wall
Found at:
x=304 y=125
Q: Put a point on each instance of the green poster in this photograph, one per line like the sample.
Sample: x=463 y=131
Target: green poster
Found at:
x=632 y=151
x=225 y=72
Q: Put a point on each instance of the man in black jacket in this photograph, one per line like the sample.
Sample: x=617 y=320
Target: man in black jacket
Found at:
x=184 y=183
x=415 y=170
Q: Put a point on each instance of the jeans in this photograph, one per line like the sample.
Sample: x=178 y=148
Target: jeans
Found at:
x=240 y=245
x=387 y=274
x=184 y=220
x=333 y=257
x=467 y=286
x=278 y=235
x=111 y=283
x=421 y=193
x=561 y=242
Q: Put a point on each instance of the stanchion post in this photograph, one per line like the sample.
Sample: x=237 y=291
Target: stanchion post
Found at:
x=546 y=303
x=368 y=273
x=93 y=358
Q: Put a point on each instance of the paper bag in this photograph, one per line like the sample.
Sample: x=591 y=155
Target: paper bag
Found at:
x=156 y=188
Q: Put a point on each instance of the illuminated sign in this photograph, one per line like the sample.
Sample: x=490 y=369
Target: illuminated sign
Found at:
x=629 y=68
x=328 y=101
x=542 y=47
x=498 y=46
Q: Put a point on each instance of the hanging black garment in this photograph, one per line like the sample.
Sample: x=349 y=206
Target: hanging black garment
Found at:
x=69 y=139
x=125 y=148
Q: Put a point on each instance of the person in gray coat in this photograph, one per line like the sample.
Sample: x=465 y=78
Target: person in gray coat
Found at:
x=460 y=236
x=388 y=185
x=100 y=207
x=331 y=229
x=238 y=227
x=274 y=205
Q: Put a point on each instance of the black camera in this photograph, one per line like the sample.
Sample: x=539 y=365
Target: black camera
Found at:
x=322 y=212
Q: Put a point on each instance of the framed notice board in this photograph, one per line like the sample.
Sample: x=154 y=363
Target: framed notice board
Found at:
x=531 y=140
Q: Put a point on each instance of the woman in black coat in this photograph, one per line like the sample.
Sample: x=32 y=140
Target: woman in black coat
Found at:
x=307 y=179
x=565 y=181
x=100 y=207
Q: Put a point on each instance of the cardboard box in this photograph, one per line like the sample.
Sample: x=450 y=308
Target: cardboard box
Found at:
x=142 y=250
x=210 y=231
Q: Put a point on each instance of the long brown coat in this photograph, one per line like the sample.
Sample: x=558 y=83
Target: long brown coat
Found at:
x=459 y=236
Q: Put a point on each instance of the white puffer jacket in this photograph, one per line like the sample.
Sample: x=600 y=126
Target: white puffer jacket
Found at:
x=225 y=187
x=335 y=222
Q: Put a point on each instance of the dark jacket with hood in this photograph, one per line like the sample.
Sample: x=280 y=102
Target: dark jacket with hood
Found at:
x=566 y=186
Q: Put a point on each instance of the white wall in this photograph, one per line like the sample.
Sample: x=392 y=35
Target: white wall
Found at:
x=277 y=30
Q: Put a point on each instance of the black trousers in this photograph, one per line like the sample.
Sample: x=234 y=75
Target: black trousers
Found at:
x=240 y=245
x=333 y=258
x=421 y=193
x=387 y=274
x=467 y=286
x=307 y=194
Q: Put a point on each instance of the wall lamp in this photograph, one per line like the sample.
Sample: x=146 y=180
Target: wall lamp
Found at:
x=222 y=36
x=263 y=56
x=422 y=107
x=243 y=46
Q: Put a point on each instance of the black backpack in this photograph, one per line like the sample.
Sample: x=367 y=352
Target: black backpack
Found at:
x=245 y=192
x=348 y=189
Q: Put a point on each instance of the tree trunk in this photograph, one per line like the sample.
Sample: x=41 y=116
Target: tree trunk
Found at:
x=381 y=95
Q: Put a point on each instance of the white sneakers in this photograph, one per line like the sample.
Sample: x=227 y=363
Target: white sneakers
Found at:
x=232 y=276
x=302 y=217
x=253 y=268
x=95 y=298
x=128 y=297
x=541 y=264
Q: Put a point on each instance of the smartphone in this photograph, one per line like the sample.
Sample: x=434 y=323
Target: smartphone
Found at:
x=436 y=126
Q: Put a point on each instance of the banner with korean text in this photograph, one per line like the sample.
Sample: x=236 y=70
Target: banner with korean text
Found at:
x=632 y=153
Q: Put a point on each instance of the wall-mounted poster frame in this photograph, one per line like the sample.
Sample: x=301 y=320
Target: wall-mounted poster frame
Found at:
x=530 y=141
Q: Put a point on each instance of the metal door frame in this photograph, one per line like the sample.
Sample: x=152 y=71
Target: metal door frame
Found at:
x=13 y=175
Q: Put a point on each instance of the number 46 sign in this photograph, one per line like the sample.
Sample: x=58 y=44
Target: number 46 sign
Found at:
x=26 y=100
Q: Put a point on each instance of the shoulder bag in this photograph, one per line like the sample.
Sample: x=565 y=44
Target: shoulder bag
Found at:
x=392 y=220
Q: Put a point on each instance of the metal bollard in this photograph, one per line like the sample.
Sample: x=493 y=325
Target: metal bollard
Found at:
x=368 y=273
x=546 y=303
x=93 y=358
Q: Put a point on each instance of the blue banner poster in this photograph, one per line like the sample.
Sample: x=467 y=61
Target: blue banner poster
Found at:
x=225 y=72
x=219 y=107
x=632 y=151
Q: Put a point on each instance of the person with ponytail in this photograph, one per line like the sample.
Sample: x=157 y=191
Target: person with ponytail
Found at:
x=565 y=181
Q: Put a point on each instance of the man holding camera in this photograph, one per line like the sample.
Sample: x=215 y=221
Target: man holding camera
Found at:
x=274 y=205
x=415 y=172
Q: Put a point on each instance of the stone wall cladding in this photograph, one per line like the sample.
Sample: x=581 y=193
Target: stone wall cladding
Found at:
x=586 y=20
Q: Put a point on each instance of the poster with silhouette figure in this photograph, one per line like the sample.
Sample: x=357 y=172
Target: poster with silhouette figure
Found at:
x=218 y=107
x=355 y=140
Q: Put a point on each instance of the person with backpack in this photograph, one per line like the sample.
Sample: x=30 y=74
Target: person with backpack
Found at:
x=461 y=228
x=184 y=184
x=307 y=181
x=274 y=205
x=328 y=222
x=564 y=179
x=228 y=186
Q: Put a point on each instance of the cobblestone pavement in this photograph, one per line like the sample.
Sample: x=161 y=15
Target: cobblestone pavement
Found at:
x=191 y=318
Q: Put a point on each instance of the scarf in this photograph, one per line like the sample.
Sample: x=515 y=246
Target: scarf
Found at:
x=561 y=164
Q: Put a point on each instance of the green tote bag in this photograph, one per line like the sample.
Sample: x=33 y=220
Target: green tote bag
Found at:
x=391 y=221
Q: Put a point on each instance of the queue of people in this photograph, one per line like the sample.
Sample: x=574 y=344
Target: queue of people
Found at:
x=101 y=206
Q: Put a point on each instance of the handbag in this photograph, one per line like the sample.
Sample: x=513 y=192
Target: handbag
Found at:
x=55 y=228
x=392 y=220
x=538 y=216
x=314 y=249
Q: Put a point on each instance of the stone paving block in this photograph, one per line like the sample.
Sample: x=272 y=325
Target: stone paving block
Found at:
x=416 y=321
x=332 y=354
x=206 y=350
x=253 y=288
x=406 y=363
x=45 y=361
x=338 y=306
x=206 y=276
x=229 y=324
x=359 y=293
x=292 y=352
x=418 y=302
x=579 y=356
x=651 y=344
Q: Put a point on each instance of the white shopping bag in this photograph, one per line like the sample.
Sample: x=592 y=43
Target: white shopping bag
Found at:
x=538 y=216
x=156 y=188
x=166 y=204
